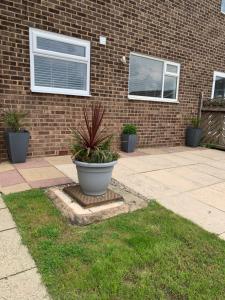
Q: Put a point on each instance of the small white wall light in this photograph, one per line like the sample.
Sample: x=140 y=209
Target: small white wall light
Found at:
x=102 y=40
x=123 y=60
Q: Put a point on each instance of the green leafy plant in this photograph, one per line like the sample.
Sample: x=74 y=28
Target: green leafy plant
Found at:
x=91 y=143
x=129 y=129
x=196 y=122
x=14 y=120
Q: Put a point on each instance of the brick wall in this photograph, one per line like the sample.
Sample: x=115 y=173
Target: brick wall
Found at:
x=190 y=32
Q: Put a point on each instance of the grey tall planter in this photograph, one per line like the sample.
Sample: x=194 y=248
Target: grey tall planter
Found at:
x=129 y=142
x=94 y=178
x=193 y=136
x=17 y=145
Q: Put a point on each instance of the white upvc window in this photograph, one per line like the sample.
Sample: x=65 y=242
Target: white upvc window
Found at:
x=218 y=89
x=59 y=64
x=223 y=6
x=153 y=79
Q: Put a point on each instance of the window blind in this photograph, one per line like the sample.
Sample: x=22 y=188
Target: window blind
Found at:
x=59 y=73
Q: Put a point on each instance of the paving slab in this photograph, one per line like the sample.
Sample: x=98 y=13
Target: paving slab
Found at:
x=177 y=160
x=185 y=205
x=43 y=173
x=216 y=164
x=153 y=151
x=190 y=182
x=210 y=196
x=33 y=163
x=132 y=154
x=10 y=178
x=148 y=187
x=6 y=166
x=135 y=164
x=6 y=220
x=200 y=178
x=59 y=160
x=2 y=203
x=23 y=286
x=212 y=154
x=119 y=171
x=183 y=149
x=157 y=162
x=146 y=163
x=68 y=170
x=207 y=169
x=191 y=155
x=174 y=182
x=219 y=187
x=15 y=188
x=50 y=182
x=14 y=256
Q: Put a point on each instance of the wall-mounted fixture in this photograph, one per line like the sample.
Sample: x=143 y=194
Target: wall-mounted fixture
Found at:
x=123 y=60
x=102 y=40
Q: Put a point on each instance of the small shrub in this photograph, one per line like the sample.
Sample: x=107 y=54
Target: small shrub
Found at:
x=129 y=129
x=14 y=120
x=91 y=144
x=196 y=122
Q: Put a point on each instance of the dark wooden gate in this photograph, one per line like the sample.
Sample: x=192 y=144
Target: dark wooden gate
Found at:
x=213 y=122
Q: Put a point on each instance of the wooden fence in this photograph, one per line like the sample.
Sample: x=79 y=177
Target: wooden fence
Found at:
x=213 y=122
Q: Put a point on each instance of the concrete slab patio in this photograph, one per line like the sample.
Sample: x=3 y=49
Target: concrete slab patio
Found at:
x=189 y=181
x=19 y=279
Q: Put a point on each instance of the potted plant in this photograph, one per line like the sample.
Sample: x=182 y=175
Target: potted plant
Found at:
x=194 y=133
x=92 y=153
x=17 y=138
x=129 y=138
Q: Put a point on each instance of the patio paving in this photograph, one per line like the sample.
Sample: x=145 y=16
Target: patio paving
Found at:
x=34 y=173
x=19 y=279
x=189 y=181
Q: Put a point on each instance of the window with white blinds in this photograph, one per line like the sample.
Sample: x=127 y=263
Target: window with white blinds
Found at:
x=59 y=64
x=153 y=79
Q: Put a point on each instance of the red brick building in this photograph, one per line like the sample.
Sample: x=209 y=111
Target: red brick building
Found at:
x=147 y=61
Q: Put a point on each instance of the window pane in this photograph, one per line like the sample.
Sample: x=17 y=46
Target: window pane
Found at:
x=219 y=90
x=61 y=47
x=57 y=73
x=171 y=69
x=223 y=6
x=145 y=77
x=170 y=87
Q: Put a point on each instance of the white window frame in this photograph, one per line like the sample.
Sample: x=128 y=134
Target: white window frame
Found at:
x=216 y=74
x=222 y=11
x=165 y=63
x=33 y=34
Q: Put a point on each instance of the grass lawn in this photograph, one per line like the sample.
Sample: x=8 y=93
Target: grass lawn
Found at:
x=148 y=254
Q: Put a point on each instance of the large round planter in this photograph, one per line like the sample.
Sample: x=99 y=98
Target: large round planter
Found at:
x=94 y=178
x=193 y=136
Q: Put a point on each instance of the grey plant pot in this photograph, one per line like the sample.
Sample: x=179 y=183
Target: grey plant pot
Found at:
x=94 y=178
x=193 y=136
x=129 y=142
x=17 y=145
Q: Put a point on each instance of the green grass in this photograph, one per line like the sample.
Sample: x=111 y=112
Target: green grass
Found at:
x=149 y=254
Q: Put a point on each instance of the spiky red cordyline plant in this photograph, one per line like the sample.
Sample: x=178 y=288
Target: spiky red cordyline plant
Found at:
x=92 y=134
